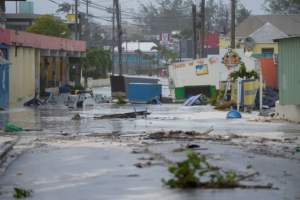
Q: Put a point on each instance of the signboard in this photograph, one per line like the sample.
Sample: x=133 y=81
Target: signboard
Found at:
x=201 y=69
x=164 y=38
x=213 y=60
x=106 y=47
x=230 y=60
x=71 y=19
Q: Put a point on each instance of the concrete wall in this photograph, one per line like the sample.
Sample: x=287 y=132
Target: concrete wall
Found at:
x=82 y=82
x=22 y=73
x=185 y=74
x=289 y=112
x=101 y=82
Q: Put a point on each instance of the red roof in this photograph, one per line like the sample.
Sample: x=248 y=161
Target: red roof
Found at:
x=213 y=40
x=10 y=37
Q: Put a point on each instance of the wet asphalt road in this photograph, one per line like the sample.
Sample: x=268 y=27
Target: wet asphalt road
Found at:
x=98 y=171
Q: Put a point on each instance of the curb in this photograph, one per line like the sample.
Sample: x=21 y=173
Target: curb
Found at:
x=6 y=147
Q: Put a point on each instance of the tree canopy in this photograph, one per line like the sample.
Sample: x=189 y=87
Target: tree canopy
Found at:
x=282 y=6
x=165 y=16
x=47 y=25
x=165 y=53
x=98 y=60
x=160 y=15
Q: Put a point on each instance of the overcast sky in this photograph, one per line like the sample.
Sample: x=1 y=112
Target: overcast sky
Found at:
x=48 y=7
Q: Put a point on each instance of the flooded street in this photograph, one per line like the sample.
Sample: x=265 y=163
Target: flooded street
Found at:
x=61 y=158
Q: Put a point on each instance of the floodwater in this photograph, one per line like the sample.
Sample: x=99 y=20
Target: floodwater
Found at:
x=96 y=168
x=57 y=119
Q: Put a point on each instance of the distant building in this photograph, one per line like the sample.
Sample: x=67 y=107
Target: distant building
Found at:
x=22 y=21
x=2 y=11
x=130 y=58
x=127 y=30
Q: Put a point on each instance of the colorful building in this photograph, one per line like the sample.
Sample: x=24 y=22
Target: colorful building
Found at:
x=263 y=29
x=36 y=61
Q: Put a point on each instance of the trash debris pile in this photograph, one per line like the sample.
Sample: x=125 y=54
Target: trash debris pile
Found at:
x=180 y=134
x=125 y=115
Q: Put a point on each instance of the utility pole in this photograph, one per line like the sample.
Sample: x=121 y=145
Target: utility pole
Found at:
x=126 y=57
x=119 y=37
x=87 y=25
x=80 y=25
x=180 y=46
x=16 y=7
x=194 y=31
x=139 y=57
x=113 y=38
x=202 y=29
x=232 y=24
x=207 y=36
x=226 y=28
x=76 y=22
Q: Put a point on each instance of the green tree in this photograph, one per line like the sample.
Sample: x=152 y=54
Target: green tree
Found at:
x=170 y=54
x=186 y=33
x=142 y=36
x=97 y=60
x=162 y=50
x=98 y=37
x=47 y=25
x=159 y=16
x=149 y=58
x=242 y=13
x=282 y=6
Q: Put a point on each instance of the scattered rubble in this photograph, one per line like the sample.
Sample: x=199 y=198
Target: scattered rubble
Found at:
x=124 y=115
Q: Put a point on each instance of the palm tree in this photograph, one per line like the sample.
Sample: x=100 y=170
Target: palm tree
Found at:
x=162 y=50
x=149 y=58
x=139 y=54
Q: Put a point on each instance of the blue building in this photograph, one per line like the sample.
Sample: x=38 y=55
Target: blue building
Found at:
x=131 y=61
x=4 y=76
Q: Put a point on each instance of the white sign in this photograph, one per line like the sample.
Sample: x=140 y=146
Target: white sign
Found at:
x=164 y=38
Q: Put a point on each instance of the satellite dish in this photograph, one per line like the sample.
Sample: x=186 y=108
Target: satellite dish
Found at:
x=249 y=43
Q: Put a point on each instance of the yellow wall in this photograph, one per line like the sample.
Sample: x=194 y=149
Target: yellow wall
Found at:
x=225 y=44
x=57 y=69
x=257 y=49
x=21 y=74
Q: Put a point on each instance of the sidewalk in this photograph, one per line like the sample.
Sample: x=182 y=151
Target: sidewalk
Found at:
x=6 y=144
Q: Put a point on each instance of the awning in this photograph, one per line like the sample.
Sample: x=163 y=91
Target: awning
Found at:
x=3 y=61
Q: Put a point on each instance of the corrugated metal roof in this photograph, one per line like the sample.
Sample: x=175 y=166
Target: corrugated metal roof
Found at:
x=143 y=46
x=267 y=33
x=289 y=24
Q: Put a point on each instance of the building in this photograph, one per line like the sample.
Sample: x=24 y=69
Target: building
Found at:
x=36 y=61
x=263 y=29
x=130 y=59
x=22 y=21
x=127 y=30
x=2 y=12
x=288 y=106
